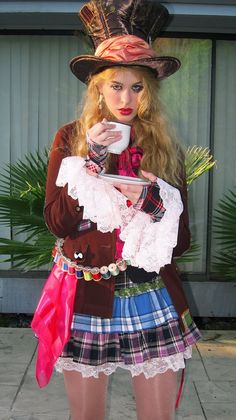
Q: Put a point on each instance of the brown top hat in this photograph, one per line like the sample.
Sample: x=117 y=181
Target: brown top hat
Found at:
x=121 y=31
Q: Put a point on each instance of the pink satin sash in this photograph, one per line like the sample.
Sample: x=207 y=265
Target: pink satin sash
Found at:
x=52 y=321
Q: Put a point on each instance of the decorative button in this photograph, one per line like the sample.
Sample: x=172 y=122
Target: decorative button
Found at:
x=77 y=208
x=78 y=255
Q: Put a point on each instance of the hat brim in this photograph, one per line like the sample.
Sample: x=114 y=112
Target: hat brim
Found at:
x=83 y=66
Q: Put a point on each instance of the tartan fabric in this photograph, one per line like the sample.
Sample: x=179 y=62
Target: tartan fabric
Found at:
x=141 y=199
x=96 y=152
x=123 y=281
x=93 y=167
x=153 y=204
x=131 y=348
x=130 y=314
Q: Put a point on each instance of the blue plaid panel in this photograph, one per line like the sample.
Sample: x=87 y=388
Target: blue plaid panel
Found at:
x=130 y=314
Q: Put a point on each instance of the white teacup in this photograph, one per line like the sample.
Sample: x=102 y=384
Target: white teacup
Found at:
x=122 y=144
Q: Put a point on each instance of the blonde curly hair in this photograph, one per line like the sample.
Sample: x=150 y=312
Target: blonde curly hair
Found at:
x=162 y=155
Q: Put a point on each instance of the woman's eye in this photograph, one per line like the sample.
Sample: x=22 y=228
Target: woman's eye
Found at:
x=137 y=88
x=116 y=87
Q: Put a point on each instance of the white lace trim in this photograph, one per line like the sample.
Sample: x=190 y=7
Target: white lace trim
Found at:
x=146 y=244
x=102 y=202
x=149 y=368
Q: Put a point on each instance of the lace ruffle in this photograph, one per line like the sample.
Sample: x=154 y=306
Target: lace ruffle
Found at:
x=147 y=245
x=149 y=368
x=92 y=192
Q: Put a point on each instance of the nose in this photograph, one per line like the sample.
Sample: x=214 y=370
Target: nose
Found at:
x=126 y=96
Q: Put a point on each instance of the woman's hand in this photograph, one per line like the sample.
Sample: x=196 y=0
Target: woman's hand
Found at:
x=151 y=177
x=101 y=133
x=133 y=192
x=92 y=173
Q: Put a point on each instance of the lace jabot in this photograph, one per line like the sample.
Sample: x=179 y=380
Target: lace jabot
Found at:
x=147 y=245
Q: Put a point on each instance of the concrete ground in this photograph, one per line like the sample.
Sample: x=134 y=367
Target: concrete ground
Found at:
x=209 y=391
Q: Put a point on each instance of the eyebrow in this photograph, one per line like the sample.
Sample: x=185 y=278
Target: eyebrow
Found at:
x=119 y=83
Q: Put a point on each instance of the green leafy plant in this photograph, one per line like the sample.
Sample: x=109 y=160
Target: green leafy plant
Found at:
x=22 y=195
x=198 y=160
x=224 y=225
x=192 y=254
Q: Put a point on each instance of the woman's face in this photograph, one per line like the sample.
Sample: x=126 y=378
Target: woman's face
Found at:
x=122 y=95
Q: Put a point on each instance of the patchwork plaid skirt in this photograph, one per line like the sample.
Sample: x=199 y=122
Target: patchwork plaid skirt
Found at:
x=143 y=335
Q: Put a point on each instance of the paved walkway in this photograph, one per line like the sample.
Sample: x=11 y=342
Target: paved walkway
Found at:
x=209 y=392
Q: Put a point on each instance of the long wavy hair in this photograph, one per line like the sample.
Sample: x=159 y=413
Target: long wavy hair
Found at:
x=162 y=155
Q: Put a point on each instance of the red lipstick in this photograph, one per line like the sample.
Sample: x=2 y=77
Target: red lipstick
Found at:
x=126 y=111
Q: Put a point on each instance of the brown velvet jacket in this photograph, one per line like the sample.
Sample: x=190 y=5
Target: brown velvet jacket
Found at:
x=62 y=216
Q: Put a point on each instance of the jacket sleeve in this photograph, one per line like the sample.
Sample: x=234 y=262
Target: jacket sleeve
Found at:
x=184 y=236
x=62 y=214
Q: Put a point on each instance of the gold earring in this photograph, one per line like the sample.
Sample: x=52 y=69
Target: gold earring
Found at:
x=100 y=101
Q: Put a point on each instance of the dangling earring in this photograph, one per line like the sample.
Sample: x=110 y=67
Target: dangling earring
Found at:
x=100 y=101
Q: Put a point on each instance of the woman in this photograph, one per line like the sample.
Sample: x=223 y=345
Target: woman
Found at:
x=129 y=309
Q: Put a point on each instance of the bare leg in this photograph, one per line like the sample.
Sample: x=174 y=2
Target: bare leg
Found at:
x=155 y=397
x=87 y=396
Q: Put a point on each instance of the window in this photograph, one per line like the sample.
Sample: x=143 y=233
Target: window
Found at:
x=39 y=94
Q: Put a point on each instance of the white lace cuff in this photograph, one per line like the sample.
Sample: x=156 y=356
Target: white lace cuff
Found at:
x=147 y=245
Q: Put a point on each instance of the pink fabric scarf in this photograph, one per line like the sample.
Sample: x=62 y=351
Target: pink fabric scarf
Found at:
x=52 y=321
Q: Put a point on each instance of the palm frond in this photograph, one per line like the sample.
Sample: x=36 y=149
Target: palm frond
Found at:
x=224 y=221
x=28 y=256
x=225 y=264
x=22 y=195
x=25 y=178
x=192 y=254
x=21 y=212
x=224 y=230
x=198 y=160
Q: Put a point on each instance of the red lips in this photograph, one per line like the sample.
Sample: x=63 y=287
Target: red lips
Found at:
x=126 y=111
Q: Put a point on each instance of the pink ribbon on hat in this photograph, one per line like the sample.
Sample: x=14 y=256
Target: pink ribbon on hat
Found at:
x=124 y=48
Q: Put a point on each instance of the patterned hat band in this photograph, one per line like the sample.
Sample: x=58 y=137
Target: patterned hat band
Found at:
x=124 y=48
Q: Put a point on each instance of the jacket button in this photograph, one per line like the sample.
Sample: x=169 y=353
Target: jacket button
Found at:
x=78 y=255
x=77 y=208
